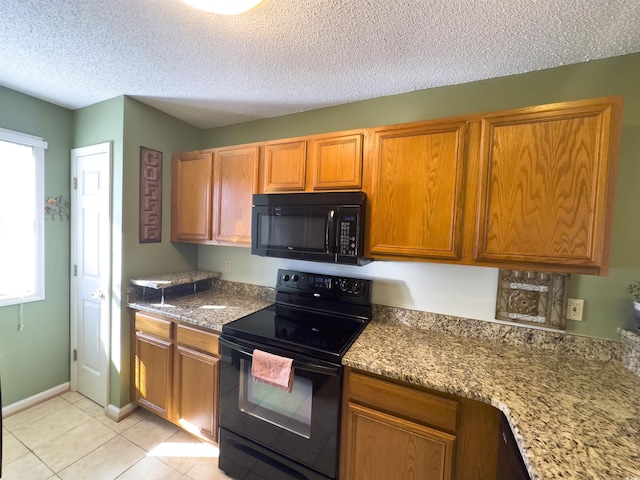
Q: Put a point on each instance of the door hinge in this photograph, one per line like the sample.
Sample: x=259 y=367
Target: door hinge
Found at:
x=75 y=270
x=75 y=355
x=75 y=183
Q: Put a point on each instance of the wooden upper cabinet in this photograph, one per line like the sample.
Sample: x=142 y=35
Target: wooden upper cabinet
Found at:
x=211 y=195
x=191 y=190
x=527 y=188
x=235 y=181
x=316 y=163
x=416 y=188
x=284 y=166
x=336 y=162
x=546 y=185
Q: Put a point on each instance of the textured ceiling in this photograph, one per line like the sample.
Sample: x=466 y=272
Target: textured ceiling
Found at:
x=291 y=55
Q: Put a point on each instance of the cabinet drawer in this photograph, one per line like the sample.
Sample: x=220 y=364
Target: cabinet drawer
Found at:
x=197 y=339
x=404 y=401
x=154 y=326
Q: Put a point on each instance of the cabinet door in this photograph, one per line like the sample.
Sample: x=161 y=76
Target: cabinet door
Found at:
x=336 y=162
x=381 y=446
x=196 y=392
x=416 y=191
x=191 y=197
x=547 y=183
x=152 y=365
x=236 y=176
x=285 y=166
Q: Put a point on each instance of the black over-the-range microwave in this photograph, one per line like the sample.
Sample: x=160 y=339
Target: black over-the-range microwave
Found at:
x=319 y=227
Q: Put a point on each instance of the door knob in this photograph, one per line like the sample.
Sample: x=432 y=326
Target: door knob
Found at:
x=99 y=294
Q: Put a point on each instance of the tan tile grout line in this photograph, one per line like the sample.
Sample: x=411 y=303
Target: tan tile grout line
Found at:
x=32 y=451
x=117 y=434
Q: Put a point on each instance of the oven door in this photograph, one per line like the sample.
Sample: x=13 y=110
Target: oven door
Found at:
x=295 y=431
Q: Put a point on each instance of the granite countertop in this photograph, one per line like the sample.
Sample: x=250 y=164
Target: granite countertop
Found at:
x=572 y=417
x=225 y=302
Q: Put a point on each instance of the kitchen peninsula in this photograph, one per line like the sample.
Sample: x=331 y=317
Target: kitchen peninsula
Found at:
x=572 y=416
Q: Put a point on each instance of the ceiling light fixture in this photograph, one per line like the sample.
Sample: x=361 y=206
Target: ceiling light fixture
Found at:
x=225 y=7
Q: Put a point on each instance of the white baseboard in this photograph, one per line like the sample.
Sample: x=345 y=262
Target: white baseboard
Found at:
x=34 y=400
x=118 y=413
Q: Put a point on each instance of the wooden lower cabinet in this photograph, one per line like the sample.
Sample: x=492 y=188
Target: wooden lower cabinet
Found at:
x=177 y=373
x=153 y=374
x=382 y=447
x=392 y=430
x=197 y=391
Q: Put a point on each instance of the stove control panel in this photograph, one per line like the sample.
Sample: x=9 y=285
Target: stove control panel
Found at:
x=320 y=284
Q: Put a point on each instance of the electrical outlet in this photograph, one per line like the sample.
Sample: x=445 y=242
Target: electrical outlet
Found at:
x=575 y=306
x=227 y=266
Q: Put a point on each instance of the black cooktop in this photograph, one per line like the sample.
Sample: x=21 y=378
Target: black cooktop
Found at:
x=316 y=315
x=312 y=333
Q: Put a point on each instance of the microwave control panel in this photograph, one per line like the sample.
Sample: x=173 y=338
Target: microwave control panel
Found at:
x=348 y=235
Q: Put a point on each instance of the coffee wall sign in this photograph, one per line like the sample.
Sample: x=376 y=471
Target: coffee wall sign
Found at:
x=150 y=195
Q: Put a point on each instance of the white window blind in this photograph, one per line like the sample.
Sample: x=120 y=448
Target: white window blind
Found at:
x=21 y=217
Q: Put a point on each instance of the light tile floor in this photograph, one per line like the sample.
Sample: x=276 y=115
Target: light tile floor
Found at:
x=70 y=438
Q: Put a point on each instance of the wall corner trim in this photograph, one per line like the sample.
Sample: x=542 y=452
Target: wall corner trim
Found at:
x=118 y=413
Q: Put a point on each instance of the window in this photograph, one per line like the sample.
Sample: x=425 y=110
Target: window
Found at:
x=21 y=218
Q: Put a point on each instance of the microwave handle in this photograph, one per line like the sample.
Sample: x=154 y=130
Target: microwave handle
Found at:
x=329 y=239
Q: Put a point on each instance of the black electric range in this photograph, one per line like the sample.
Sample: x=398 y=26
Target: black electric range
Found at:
x=315 y=314
x=265 y=432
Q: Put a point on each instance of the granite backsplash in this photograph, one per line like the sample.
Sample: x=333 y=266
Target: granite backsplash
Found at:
x=627 y=351
x=591 y=348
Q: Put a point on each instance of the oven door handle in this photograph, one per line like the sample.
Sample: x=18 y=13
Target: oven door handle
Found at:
x=311 y=367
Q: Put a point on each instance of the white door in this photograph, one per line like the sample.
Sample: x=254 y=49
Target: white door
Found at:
x=90 y=270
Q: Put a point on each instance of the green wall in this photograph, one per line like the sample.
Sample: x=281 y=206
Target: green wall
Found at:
x=147 y=127
x=37 y=358
x=607 y=306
